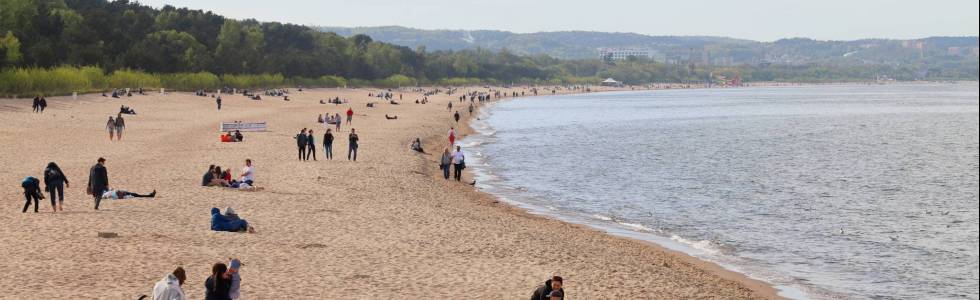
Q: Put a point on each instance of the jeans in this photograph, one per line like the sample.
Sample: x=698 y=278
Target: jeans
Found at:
x=445 y=171
x=302 y=152
x=328 y=151
x=60 y=189
x=457 y=171
x=28 y=196
x=352 y=150
x=97 y=194
x=310 y=150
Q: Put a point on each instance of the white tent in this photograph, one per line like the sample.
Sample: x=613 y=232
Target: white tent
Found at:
x=611 y=82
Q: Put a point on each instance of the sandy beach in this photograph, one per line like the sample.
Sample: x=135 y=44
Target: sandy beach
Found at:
x=385 y=227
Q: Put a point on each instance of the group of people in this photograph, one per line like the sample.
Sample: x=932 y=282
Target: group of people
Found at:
x=56 y=181
x=39 y=104
x=224 y=283
x=306 y=144
x=216 y=177
x=456 y=160
x=232 y=137
x=115 y=127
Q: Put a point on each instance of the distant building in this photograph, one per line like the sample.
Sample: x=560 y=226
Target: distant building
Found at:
x=626 y=53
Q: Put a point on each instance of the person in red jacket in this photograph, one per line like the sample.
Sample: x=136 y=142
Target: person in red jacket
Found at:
x=350 y=115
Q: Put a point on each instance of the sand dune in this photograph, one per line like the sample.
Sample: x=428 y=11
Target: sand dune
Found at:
x=384 y=227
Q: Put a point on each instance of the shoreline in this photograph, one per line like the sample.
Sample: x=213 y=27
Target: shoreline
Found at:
x=766 y=289
x=346 y=227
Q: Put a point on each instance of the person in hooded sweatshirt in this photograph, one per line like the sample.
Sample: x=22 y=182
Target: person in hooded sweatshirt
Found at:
x=229 y=223
x=217 y=286
x=168 y=288
x=301 y=144
x=551 y=289
x=32 y=190
x=55 y=183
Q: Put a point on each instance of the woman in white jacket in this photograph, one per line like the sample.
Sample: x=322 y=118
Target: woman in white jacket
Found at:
x=168 y=288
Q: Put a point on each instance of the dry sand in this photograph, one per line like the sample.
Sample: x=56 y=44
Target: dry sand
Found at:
x=384 y=227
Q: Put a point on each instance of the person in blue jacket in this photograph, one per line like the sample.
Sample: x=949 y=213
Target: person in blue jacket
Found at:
x=221 y=222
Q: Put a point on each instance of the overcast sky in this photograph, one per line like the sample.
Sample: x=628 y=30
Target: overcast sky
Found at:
x=763 y=20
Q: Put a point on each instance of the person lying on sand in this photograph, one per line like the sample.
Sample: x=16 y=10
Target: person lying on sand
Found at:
x=229 y=222
x=123 y=194
x=391 y=117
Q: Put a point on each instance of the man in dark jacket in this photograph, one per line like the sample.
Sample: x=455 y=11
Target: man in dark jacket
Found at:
x=301 y=144
x=551 y=289
x=98 y=181
x=310 y=145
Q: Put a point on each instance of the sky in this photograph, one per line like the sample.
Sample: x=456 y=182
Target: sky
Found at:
x=761 y=20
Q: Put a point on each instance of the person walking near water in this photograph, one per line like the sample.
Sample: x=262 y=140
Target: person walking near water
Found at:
x=55 y=182
x=301 y=144
x=328 y=144
x=459 y=163
x=456 y=116
x=111 y=127
x=350 y=116
x=120 y=125
x=32 y=191
x=98 y=181
x=352 y=145
x=310 y=145
x=445 y=162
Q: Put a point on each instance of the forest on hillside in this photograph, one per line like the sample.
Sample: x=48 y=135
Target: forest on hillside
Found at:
x=58 y=46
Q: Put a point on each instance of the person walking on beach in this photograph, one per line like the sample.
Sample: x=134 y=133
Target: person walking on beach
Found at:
x=338 y=122
x=328 y=144
x=55 y=182
x=310 y=145
x=352 y=145
x=301 y=144
x=218 y=100
x=551 y=290
x=350 y=116
x=459 y=163
x=32 y=191
x=445 y=162
x=456 y=116
x=168 y=288
x=452 y=136
x=98 y=181
x=120 y=125
x=111 y=127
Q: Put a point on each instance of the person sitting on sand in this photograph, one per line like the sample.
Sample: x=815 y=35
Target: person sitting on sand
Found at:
x=227 y=138
x=551 y=290
x=217 y=178
x=391 y=117
x=417 y=145
x=233 y=223
x=248 y=173
x=238 y=136
x=168 y=288
x=217 y=286
x=319 y=119
x=123 y=194
x=208 y=177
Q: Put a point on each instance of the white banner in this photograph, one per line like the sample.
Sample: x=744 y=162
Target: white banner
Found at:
x=243 y=126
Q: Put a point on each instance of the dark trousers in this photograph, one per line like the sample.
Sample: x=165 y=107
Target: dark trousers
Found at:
x=58 y=190
x=97 y=196
x=27 y=203
x=457 y=171
x=328 y=151
x=310 y=150
x=302 y=152
x=445 y=171
x=352 y=150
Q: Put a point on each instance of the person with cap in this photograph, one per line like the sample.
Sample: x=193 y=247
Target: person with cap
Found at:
x=168 y=288
x=229 y=221
x=234 y=292
x=551 y=290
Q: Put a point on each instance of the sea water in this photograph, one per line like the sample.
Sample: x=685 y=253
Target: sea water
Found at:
x=854 y=191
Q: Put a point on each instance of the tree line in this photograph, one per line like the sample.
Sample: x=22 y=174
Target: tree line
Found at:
x=85 y=45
